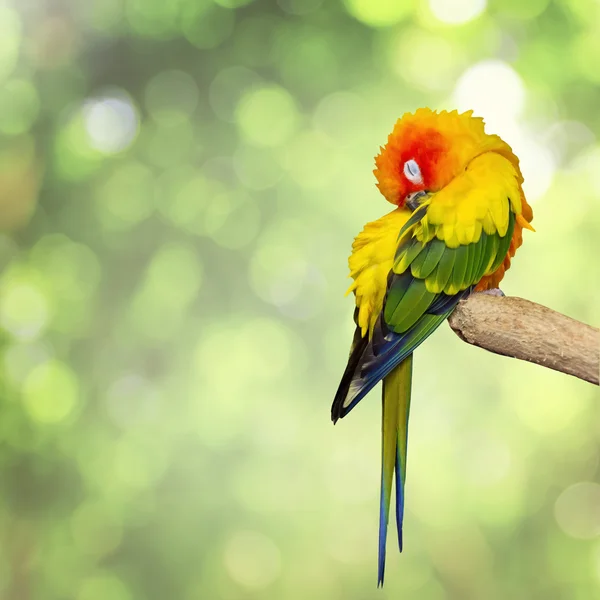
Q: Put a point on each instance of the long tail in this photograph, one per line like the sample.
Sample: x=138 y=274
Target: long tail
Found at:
x=394 y=430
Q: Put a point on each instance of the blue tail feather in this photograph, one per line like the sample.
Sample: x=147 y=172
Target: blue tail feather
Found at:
x=383 y=525
x=399 y=500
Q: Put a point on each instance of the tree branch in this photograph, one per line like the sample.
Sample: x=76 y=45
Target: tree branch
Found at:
x=522 y=329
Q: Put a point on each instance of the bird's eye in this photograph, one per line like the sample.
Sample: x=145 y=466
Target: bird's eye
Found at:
x=412 y=171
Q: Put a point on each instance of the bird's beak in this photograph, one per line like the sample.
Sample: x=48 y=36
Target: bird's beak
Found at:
x=414 y=200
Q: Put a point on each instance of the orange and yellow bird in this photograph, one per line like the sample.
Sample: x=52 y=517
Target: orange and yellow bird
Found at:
x=459 y=217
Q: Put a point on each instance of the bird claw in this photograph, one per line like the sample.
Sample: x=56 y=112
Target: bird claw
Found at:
x=493 y=292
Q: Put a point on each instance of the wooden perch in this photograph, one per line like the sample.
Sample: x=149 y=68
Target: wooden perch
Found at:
x=522 y=329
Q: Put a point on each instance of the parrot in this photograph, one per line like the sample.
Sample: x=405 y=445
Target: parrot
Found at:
x=459 y=219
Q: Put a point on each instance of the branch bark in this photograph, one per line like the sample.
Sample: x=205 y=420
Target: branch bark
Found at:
x=528 y=331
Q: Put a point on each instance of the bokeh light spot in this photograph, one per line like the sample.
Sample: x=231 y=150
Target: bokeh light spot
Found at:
x=10 y=40
x=72 y=273
x=425 y=60
x=111 y=122
x=75 y=158
x=206 y=25
x=24 y=308
x=72 y=270
x=267 y=116
x=50 y=392
x=153 y=18
x=457 y=12
x=577 y=510
x=494 y=90
x=252 y=560
x=379 y=13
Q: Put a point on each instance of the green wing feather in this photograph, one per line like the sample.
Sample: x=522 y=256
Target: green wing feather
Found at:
x=427 y=280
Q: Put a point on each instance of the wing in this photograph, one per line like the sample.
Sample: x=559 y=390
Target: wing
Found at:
x=453 y=240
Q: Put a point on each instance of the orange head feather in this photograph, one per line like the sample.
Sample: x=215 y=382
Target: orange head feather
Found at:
x=427 y=149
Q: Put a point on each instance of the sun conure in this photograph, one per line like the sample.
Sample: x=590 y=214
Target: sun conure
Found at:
x=460 y=211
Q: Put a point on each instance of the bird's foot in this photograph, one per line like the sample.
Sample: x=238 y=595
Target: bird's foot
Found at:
x=493 y=292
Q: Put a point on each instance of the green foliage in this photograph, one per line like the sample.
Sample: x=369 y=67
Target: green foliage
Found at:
x=180 y=183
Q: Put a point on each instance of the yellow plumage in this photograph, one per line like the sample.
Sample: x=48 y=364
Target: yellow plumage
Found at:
x=476 y=174
x=371 y=261
x=473 y=201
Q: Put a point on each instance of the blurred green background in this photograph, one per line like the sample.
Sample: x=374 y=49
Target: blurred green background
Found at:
x=180 y=183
